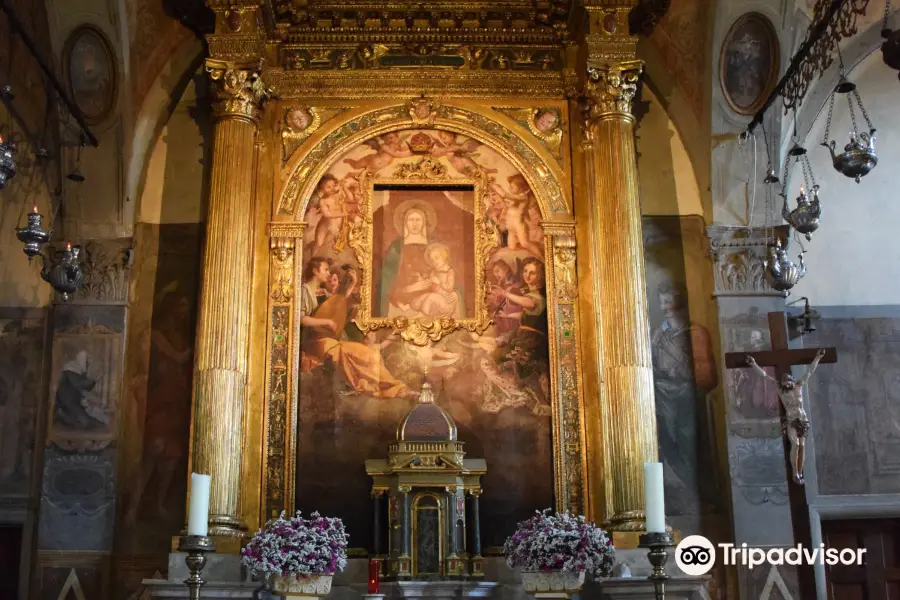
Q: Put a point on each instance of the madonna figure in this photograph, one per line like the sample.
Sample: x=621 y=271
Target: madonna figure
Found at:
x=416 y=278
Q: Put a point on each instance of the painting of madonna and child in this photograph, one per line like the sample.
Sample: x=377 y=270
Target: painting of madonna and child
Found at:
x=355 y=388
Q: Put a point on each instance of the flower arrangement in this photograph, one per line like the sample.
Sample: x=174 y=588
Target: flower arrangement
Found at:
x=560 y=542
x=298 y=547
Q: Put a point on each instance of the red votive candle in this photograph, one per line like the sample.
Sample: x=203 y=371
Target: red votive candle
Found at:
x=374 y=572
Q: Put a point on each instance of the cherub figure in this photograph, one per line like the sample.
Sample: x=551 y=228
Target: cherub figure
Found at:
x=518 y=198
x=457 y=153
x=387 y=147
x=796 y=425
x=332 y=207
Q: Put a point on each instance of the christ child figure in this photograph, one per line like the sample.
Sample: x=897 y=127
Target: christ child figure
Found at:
x=796 y=425
x=332 y=210
x=441 y=298
x=517 y=199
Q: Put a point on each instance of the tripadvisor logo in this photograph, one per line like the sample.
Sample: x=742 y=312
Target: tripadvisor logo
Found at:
x=696 y=555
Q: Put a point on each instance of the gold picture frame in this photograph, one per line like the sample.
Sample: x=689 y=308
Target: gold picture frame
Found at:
x=423 y=174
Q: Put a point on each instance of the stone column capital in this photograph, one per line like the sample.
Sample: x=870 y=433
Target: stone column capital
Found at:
x=611 y=87
x=238 y=87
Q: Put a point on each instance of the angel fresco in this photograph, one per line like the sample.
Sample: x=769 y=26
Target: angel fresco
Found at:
x=458 y=152
x=335 y=205
x=355 y=384
x=522 y=354
x=517 y=201
x=322 y=326
x=387 y=147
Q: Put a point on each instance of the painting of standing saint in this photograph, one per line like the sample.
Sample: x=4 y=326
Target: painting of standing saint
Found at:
x=355 y=387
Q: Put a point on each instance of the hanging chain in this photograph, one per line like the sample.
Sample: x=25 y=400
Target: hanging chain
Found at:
x=808 y=178
x=852 y=113
x=887 y=13
x=862 y=108
x=828 y=123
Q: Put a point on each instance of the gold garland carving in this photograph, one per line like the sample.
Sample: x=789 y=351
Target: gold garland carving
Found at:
x=238 y=88
x=422 y=330
x=611 y=88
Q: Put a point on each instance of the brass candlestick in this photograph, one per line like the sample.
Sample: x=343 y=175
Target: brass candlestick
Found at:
x=196 y=547
x=658 y=544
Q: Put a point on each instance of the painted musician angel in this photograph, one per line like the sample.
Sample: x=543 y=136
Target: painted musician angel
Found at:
x=796 y=424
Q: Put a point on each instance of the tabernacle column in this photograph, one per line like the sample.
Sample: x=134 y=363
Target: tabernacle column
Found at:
x=220 y=368
x=612 y=221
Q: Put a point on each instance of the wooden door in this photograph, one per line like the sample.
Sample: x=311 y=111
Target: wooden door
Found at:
x=879 y=577
x=10 y=555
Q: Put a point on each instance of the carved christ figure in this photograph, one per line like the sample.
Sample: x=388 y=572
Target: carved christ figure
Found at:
x=790 y=392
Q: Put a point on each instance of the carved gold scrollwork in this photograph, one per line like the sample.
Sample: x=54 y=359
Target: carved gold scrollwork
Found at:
x=239 y=89
x=612 y=88
x=564 y=268
x=282 y=277
x=421 y=330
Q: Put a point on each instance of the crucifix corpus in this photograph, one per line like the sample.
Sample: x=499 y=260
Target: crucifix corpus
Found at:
x=795 y=423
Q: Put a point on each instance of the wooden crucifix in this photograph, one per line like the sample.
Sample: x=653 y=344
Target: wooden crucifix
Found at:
x=782 y=358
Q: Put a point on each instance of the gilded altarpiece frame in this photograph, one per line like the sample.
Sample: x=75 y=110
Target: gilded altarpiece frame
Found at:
x=299 y=177
x=425 y=174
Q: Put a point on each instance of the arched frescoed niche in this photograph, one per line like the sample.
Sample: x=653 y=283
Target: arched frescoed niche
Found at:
x=166 y=180
x=511 y=387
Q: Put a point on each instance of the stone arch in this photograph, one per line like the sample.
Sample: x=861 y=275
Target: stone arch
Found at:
x=493 y=129
x=155 y=111
x=661 y=82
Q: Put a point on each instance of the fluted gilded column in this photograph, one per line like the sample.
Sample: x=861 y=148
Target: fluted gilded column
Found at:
x=627 y=409
x=220 y=367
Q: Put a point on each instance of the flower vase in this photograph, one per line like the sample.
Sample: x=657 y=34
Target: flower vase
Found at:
x=264 y=591
x=552 y=584
x=299 y=586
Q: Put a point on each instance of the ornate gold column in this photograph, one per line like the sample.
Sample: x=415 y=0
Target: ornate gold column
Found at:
x=611 y=208
x=220 y=368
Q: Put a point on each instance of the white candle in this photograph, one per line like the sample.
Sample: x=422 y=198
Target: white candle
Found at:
x=654 y=503
x=198 y=516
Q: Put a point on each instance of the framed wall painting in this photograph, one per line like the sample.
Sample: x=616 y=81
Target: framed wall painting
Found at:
x=749 y=62
x=90 y=73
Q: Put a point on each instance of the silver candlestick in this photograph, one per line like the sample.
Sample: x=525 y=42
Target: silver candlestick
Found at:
x=658 y=543
x=196 y=546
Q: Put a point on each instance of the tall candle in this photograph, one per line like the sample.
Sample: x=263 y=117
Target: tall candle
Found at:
x=654 y=503
x=198 y=516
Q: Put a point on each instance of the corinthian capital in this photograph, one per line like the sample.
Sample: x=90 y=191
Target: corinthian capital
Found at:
x=610 y=88
x=238 y=87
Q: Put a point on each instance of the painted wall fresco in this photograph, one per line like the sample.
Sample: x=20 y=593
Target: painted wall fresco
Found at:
x=78 y=506
x=160 y=372
x=21 y=375
x=682 y=327
x=855 y=406
x=354 y=389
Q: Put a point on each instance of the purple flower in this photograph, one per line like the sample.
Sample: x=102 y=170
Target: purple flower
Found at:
x=554 y=542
